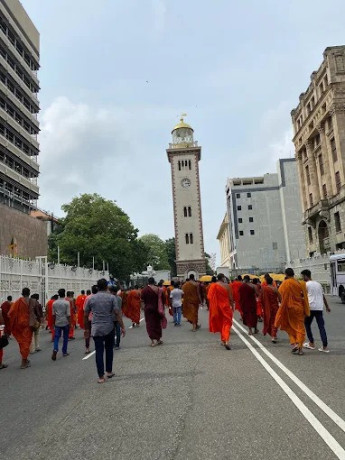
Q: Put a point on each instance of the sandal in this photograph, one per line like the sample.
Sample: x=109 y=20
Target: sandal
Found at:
x=101 y=380
x=111 y=375
x=160 y=342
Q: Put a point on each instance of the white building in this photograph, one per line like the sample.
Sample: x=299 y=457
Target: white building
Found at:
x=265 y=220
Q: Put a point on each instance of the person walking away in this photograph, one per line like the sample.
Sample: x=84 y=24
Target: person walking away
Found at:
x=293 y=310
x=114 y=290
x=270 y=299
x=87 y=324
x=21 y=322
x=317 y=301
x=49 y=315
x=72 y=323
x=133 y=305
x=247 y=301
x=5 y=327
x=176 y=296
x=221 y=309
x=61 y=321
x=38 y=311
x=104 y=308
x=259 y=309
x=153 y=317
x=191 y=301
x=236 y=284
x=79 y=303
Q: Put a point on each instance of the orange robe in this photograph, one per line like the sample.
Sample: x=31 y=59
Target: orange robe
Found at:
x=293 y=310
x=236 y=294
x=19 y=316
x=50 y=317
x=191 y=301
x=259 y=309
x=79 y=303
x=132 y=306
x=270 y=302
x=221 y=314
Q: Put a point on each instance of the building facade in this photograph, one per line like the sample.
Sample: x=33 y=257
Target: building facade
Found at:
x=224 y=242
x=319 y=138
x=264 y=215
x=184 y=155
x=19 y=106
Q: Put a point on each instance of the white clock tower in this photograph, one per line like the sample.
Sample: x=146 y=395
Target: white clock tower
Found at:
x=184 y=155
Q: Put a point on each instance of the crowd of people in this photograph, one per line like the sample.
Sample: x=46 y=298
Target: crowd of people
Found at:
x=99 y=312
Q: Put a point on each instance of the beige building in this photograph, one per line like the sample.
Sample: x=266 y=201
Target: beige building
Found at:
x=319 y=138
x=19 y=106
x=184 y=155
x=224 y=242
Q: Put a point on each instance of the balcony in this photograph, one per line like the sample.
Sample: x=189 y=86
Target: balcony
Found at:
x=320 y=209
x=25 y=182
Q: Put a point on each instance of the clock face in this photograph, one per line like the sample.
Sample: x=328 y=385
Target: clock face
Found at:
x=185 y=182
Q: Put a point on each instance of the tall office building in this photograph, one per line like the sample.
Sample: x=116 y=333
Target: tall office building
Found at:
x=264 y=218
x=19 y=106
x=319 y=127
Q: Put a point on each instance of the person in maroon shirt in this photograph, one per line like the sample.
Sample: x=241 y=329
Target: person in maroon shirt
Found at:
x=5 y=308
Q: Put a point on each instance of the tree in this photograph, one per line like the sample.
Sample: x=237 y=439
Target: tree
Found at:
x=171 y=253
x=157 y=254
x=97 y=228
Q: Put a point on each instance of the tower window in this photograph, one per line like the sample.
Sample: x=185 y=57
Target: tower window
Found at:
x=191 y=238
x=189 y=211
x=250 y=207
x=179 y=165
x=190 y=164
x=185 y=211
x=187 y=238
x=186 y=163
x=252 y=232
x=251 y=219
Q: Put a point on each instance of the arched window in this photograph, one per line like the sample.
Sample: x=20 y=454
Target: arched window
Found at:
x=191 y=238
x=179 y=165
x=190 y=164
x=185 y=211
x=189 y=211
x=187 y=238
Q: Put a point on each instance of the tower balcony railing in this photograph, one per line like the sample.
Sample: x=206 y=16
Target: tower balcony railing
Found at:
x=183 y=144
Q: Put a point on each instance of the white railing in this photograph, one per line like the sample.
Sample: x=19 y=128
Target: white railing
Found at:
x=43 y=278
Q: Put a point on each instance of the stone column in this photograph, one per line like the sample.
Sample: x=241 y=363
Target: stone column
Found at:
x=327 y=164
x=314 y=187
x=302 y=182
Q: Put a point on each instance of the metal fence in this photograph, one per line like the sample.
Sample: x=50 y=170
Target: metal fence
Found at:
x=43 y=278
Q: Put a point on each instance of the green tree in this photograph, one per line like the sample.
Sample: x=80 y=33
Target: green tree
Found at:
x=97 y=228
x=157 y=254
x=171 y=253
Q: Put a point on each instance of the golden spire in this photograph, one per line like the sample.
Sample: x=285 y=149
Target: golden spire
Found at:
x=182 y=123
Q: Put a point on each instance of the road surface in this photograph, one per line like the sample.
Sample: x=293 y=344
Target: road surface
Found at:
x=187 y=399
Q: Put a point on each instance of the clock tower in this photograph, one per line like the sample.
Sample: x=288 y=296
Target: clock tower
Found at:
x=184 y=155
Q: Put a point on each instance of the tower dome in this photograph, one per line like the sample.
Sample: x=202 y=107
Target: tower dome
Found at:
x=182 y=134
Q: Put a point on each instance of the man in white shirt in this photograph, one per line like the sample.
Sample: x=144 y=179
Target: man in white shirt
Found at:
x=316 y=301
x=176 y=301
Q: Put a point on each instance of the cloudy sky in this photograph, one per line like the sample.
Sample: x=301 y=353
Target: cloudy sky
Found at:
x=116 y=75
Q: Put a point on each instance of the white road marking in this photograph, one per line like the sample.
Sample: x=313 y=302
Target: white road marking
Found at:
x=326 y=409
x=89 y=355
x=131 y=327
x=309 y=416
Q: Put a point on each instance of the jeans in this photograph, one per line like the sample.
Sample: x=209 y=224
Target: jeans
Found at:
x=104 y=342
x=177 y=315
x=117 y=333
x=321 y=324
x=58 y=331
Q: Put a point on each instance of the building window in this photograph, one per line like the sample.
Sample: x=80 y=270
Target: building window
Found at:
x=239 y=208
x=238 y=195
x=190 y=164
x=274 y=246
x=322 y=169
x=311 y=199
x=310 y=234
x=179 y=165
x=334 y=150
x=337 y=181
x=337 y=222
x=187 y=238
x=189 y=211
x=250 y=207
x=251 y=219
x=324 y=191
x=307 y=173
x=241 y=232
x=191 y=238
x=249 y=195
x=252 y=232
x=240 y=220
x=185 y=211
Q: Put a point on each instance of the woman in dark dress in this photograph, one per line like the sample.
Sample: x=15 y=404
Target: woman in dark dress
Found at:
x=153 y=318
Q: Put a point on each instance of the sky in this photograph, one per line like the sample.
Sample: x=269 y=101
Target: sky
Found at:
x=116 y=75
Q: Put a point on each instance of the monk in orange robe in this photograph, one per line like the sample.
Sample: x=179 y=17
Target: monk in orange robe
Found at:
x=235 y=285
x=259 y=309
x=79 y=303
x=191 y=301
x=49 y=315
x=270 y=299
x=221 y=309
x=133 y=306
x=19 y=316
x=293 y=310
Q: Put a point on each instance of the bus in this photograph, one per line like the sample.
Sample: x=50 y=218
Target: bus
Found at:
x=337 y=263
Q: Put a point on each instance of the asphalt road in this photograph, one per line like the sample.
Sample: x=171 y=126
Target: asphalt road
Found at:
x=187 y=399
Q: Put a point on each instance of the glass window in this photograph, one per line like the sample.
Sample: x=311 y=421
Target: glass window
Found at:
x=249 y=195
x=191 y=238
x=252 y=232
x=251 y=219
x=185 y=211
x=341 y=265
x=241 y=232
x=189 y=211
x=187 y=238
x=240 y=220
x=250 y=207
x=238 y=195
x=337 y=222
x=239 y=208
